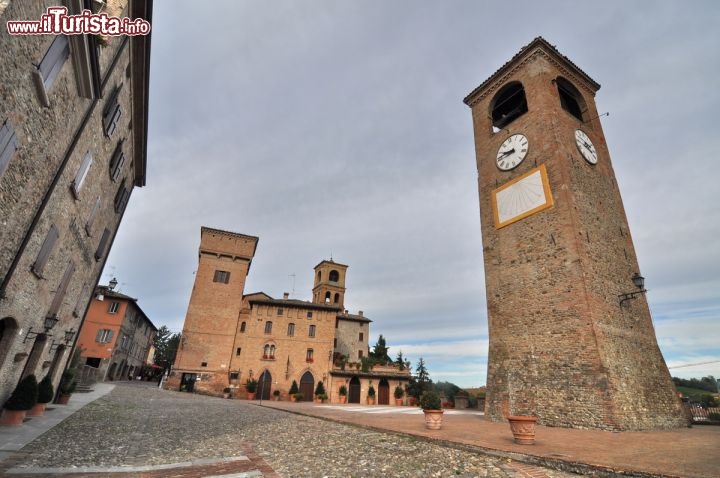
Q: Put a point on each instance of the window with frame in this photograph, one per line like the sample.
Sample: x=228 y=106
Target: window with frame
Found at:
x=291 y=329
x=509 y=104
x=309 y=356
x=311 y=331
x=360 y=354
x=113 y=307
x=362 y=336
x=570 y=98
x=268 y=327
x=269 y=352
x=104 y=336
x=203 y=364
x=44 y=254
x=280 y=311
x=242 y=327
x=309 y=315
x=221 y=276
x=50 y=66
x=238 y=350
x=8 y=145
x=81 y=174
x=121 y=197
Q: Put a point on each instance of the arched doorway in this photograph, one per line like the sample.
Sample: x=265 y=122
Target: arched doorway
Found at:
x=354 y=392
x=8 y=330
x=383 y=392
x=264 y=384
x=307 y=386
x=111 y=371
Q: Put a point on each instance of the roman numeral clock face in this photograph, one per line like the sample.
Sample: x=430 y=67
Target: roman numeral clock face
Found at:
x=512 y=152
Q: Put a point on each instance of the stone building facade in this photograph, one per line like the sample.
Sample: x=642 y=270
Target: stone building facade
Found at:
x=571 y=336
x=116 y=336
x=229 y=337
x=73 y=135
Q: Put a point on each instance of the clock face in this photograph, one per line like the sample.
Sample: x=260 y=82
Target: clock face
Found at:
x=586 y=147
x=512 y=152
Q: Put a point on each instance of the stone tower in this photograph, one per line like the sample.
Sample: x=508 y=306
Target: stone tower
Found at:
x=559 y=258
x=212 y=316
x=329 y=285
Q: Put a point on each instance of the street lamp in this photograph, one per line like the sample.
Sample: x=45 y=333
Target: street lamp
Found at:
x=639 y=282
x=49 y=323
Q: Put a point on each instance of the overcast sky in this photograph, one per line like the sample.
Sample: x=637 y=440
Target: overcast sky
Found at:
x=337 y=129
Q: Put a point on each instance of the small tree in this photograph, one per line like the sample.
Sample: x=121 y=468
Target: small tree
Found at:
x=371 y=392
x=294 y=388
x=380 y=351
x=25 y=395
x=400 y=361
x=251 y=385
x=343 y=390
x=320 y=389
x=430 y=400
x=68 y=382
x=399 y=392
x=46 y=392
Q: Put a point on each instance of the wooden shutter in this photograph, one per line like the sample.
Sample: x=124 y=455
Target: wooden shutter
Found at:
x=81 y=174
x=100 y=252
x=117 y=162
x=112 y=112
x=8 y=145
x=61 y=290
x=52 y=236
x=91 y=217
x=54 y=60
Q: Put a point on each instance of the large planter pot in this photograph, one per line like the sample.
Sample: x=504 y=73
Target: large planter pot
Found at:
x=12 y=418
x=371 y=400
x=343 y=399
x=63 y=398
x=399 y=402
x=523 y=428
x=433 y=419
x=37 y=411
x=251 y=396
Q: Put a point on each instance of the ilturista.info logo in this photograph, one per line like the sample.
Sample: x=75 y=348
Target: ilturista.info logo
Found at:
x=57 y=21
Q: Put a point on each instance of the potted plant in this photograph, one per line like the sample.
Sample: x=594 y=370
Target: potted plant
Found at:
x=298 y=397
x=371 y=395
x=293 y=391
x=227 y=392
x=46 y=392
x=67 y=386
x=342 y=392
x=319 y=390
x=431 y=406
x=23 y=398
x=399 y=394
x=276 y=395
x=251 y=387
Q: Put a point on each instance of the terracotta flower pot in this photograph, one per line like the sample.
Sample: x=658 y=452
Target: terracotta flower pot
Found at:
x=523 y=428
x=251 y=396
x=371 y=400
x=433 y=419
x=343 y=398
x=37 y=411
x=63 y=398
x=12 y=417
x=399 y=402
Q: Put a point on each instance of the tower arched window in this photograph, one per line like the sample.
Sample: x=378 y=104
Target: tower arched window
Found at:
x=269 y=352
x=327 y=297
x=570 y=98
x=319 y=276
x=242 y=326
x=336 y=300
x=334 y=276
x=509 y=104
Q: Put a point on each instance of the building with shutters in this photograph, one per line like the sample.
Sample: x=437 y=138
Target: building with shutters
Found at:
x=73 y=136
x=229 y=336
x=116 y=336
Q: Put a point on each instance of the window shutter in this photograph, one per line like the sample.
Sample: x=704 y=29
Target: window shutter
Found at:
x=8 y=145
x=61 y=290
x=117 y=162
x=54 y=60
x=109 y=336
x=100 y=252
x=91 y=217
x=81 y=174
x=99 y=336
x=112 y=112
x=52 y=236
x=77 y=311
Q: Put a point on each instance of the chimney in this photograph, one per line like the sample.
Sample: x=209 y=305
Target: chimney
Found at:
x=360 y=313
x=286 y=295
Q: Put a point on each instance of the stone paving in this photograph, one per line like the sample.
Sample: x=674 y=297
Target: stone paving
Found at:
x=138 y=430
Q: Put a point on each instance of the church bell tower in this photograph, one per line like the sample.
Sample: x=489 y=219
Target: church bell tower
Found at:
x=571 y=336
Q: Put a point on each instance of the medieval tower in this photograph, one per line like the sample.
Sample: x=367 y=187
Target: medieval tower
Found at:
x=571 y=336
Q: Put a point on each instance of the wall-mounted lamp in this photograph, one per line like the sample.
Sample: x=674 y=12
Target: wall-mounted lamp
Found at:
x=48 y=325
x=639 y=282
x=69 y=335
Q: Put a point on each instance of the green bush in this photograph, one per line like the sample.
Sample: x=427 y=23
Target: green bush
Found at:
x=25 y=395
x=714 y=416
x=343 y=390
x=320 y=389
x=371 y=391
x=251 y=385
x=399 y=392
x=46 y=392
x=68 y=382
x=294 y=388
x=430 y=400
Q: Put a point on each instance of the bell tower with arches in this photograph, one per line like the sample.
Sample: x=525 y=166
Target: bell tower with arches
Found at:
x=571 y=339
x=329 y=285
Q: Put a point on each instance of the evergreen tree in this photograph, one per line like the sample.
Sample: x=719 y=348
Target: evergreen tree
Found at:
x=380 y=351
x=400 y=361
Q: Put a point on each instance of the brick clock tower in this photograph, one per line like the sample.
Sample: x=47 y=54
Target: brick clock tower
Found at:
x=329 y=285
x=571 y=337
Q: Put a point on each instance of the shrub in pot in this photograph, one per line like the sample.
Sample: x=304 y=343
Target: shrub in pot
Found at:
x=432 y=408
x=46 y=392
x=22 y=399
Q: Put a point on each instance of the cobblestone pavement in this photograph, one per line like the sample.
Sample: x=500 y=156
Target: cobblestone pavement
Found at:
x=138 y=430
